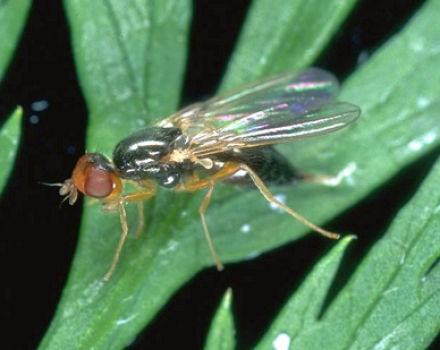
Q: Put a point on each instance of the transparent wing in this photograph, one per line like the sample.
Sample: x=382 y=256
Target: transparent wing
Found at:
x=274 y=110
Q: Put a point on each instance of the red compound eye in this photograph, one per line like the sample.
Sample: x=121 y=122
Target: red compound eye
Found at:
x=98 y=184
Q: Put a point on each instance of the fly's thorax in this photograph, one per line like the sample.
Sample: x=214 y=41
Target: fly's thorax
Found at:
x=143 y=155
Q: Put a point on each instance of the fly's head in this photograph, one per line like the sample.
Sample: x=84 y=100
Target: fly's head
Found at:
x=93 y=176
x=144 y=156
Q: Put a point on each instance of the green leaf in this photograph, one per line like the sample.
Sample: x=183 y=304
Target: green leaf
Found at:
x=393 y=299
x=9 y=141
x=221 y=336
x=296 y=35
x=399 y=99
x=305 y=306
x=13 y=16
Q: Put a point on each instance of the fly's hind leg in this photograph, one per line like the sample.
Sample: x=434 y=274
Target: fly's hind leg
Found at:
x=271 y=198
x=147 y=192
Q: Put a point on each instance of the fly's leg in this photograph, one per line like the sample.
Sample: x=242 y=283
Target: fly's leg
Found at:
x=138 y=197
x=123 y=218
x=202 y=210
x=140 y=204
x=147 y=191
x=271 y=198
x=195 y=184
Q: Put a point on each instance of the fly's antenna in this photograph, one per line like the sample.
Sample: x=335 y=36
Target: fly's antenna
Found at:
x=67 y=189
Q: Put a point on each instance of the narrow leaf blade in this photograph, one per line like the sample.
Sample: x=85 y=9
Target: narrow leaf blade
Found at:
x=292 y=41
x=221 y=335
x=9 y=142
x=13 y=16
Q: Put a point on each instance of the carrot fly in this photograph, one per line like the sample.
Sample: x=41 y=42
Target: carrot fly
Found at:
x=227 y=138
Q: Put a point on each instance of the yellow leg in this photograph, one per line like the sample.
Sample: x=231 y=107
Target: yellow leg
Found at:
x=123 y=218
x=202 y=210
x=271 y=198
x=147 y=192
x=228 y=170
x=195 y=184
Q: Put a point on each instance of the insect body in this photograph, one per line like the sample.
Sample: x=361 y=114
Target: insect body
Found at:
x=227 y=138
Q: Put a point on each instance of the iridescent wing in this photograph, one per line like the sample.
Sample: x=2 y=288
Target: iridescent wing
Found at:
x=274 y=110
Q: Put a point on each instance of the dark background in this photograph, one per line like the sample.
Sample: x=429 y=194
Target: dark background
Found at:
x=38 y=239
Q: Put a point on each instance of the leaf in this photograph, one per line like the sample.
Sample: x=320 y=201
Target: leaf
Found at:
x=391 y=301
x=221 y=336
x=294 y=40
x=121 y=49
x=9 y=141
x=13 y=15
x=399 y=124
x=305 y=306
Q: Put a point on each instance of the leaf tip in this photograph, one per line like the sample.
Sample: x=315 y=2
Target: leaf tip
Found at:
x=227 y=299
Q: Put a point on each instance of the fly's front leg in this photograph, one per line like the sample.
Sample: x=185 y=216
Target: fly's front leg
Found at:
x=139 y=199
x=147 y=192
x=124 y=226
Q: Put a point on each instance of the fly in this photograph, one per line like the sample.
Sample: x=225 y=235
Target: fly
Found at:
x=227 y=138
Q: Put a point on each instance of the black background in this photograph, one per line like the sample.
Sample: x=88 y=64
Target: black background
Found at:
x=38 y=239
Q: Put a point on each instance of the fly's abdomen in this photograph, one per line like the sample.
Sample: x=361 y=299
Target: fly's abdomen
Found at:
x=270 y=165
x=276 y=169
